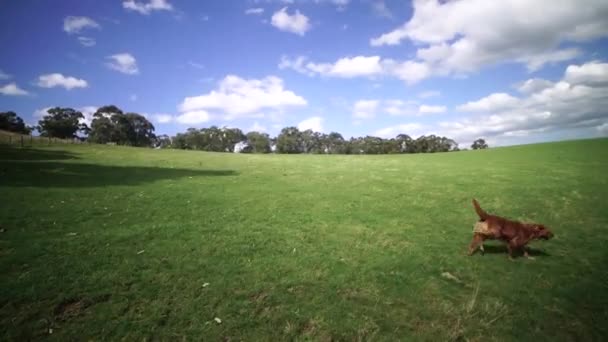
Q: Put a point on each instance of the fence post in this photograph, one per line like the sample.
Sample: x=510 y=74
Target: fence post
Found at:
x=31 y=140
x=22 y=141
x=10 y=138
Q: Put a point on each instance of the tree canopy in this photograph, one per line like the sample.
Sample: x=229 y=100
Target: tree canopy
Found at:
x=111 y=125
x=62 y=123
x=479 y=144
x=10 y=121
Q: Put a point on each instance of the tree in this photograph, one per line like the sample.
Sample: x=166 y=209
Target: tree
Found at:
x=334 y=143
x=110 y=124
x=61 y=123
x=163 y=141
x=10 y=121
x=103 y=126
x=405 y=143
x=231 y=137
x=479 y=144
x=259 y=142
x=289 y=141
x=140 y=131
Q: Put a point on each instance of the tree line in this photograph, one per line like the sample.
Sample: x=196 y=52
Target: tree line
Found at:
x=110 y=125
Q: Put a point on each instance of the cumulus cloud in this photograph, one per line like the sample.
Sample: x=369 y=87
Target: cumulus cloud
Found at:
x=193 y=117
x=379 y=8
x=147 y=8
x=77 y=24
x=4 y=76
x=456 y=37
x=493 y=102
x=359 y=66
x=578 y=101
x=59 y=80
x=592 y=74
x=162 y=118
x=256 y=127
x=314 y=123
x=425 y=109
x=87 y=41
x=409 y=108
x=296 y=23
x=411 y=129
x=123 y=62
x=365 y=109
x=429 y=94
x=12 y=89
x=257 y=10
x=237 y=97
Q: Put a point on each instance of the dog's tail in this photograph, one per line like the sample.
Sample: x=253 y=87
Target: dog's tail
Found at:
x=482 y=214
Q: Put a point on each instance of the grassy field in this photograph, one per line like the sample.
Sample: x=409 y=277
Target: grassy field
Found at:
x=105 y=242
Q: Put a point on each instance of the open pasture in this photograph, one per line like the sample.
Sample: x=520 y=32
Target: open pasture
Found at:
x=106 y=242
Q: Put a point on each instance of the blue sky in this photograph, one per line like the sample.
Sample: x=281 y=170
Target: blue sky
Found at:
x=510 y=71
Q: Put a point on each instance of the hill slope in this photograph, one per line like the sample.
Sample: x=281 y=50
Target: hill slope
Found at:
x=115 y=242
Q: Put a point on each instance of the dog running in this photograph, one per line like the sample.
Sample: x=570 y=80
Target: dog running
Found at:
x=515 y=234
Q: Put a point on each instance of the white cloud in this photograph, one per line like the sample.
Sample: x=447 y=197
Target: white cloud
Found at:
x=347 y=67
x=603 y=128
x=58 y=80
x=410 y=108
x=429 y=94
x=196 y=65
x=426 y=109
x=162 y=118
x=238 y=97
x=493 y=102
x=193 y=117
x=411 y=129
x=77 y=24
x=4 y=76
x=123 y=62
x=147 y=8
x=359 y=66
x=455 y=37
x=554 y=106
x=257 y=10
x=314 y=123
x=257 y=128
x=298 y=64
x=594 y=73
x=365 y=109
x=12 y=89
x=133 y=97
x=533 y=85
x=379 y=8
x=296 y=23
x=87 y=41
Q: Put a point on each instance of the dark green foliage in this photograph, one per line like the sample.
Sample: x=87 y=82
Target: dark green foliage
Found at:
x=479 y=144
x=10 y=121
x=62 y=123
x=259 y=142
x=111 y=125
x=290 y=141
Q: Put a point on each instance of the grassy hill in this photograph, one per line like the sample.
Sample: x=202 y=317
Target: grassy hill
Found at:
x=107 y=242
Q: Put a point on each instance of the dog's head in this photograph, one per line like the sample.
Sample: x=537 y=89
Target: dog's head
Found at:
x=542 y=232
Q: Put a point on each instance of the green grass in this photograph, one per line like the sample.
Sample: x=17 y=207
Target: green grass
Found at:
x=105 y=242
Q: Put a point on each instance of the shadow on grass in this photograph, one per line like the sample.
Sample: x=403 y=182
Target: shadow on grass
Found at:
x=26 y=153
x=502 y=249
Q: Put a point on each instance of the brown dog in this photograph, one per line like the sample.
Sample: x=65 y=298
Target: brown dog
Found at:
x=515 y=234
